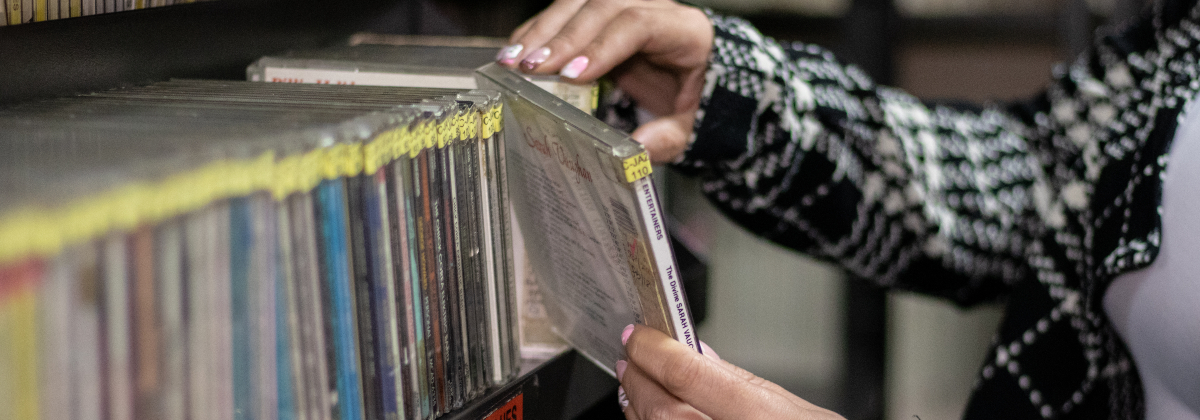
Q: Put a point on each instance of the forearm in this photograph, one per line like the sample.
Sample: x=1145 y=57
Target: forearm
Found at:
x=813 y=155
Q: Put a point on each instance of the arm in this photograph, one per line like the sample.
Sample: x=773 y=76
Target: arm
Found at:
x=809 y=153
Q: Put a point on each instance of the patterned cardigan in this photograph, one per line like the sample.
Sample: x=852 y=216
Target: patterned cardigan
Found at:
x=1041 y=203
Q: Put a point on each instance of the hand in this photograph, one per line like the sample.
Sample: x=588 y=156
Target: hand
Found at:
x=664 y=379
x=656 y=50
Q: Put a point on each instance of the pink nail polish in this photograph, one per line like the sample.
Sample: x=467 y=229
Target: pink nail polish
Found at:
x=708 y=351
x=621 y=365
x=625 y=334
x=574 y=68
x=508 y=55
x=538 y=57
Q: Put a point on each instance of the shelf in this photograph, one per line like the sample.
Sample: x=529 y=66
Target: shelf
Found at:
x=211 y=40
x=217 y=40
x=561 y=387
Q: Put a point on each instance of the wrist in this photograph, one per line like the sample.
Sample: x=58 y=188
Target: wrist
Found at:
x=723 y=117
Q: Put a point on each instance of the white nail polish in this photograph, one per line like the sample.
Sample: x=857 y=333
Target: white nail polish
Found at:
x=622 y=399
x=511 y=52
x=536 y=58
x=574 y=68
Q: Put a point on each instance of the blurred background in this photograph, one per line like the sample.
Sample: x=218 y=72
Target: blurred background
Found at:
x=835 y=341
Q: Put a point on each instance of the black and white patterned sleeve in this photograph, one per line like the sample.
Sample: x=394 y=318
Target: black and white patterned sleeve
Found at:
x=811 y=154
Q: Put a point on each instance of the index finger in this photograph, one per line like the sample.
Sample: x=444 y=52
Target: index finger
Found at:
x=543 y=26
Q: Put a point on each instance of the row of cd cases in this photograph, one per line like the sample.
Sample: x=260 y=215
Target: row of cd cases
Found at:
x=16 y=12
x=203 y=249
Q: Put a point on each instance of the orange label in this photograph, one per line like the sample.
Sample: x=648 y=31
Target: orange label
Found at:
x=512 y=410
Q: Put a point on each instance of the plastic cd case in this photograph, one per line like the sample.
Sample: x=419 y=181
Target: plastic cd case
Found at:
x=441 y=65
x=591 y=222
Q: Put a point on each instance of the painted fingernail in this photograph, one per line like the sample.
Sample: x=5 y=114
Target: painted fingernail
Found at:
x=621 y=365
x=574 y=68
x=708 y=351
x=538 y=57
x=508 y=55
x=625 y=334
x=622 y=399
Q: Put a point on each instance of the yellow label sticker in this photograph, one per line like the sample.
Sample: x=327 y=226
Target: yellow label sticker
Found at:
x=460 y=124
x=310 y=170
x=329 y=162
x=637 y=167
x=39 y=11
x=286 y=179
x=497 y=118
x=379 y=151
x=263 y=171
x=431 y=136
x=486 y=126
x=343 y=160
x=43 y=232
x=415 y=142
x=353 y=163
x=470 y=127
x=14 y=13
x=441 y=135
x=372 y=156
x=595 y=98
x=447 y=132
x=399 y=144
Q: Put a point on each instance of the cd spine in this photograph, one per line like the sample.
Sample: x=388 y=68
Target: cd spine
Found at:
x=664 y=259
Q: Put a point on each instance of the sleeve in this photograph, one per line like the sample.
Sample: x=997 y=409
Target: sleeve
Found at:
x=811 y=154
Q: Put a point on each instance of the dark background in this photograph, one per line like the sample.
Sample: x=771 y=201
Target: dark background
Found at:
x=217 y=39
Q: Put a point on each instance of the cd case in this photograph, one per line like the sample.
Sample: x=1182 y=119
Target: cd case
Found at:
x=383 y=60
x=591 y=221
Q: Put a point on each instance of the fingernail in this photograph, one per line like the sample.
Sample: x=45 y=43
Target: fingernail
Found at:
x=538 y=57
x=625 y=334
x=708 y=351
x=621 y=365
x=574 y=68
x=508 y=55
x=622 y=399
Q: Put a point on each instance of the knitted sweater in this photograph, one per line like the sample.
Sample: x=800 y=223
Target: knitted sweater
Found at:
x=1041 y=203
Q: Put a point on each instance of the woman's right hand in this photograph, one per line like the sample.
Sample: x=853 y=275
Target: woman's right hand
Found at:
x=657 y=51
x=664 y=379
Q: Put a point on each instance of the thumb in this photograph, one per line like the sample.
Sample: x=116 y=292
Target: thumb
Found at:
x=666 y=138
